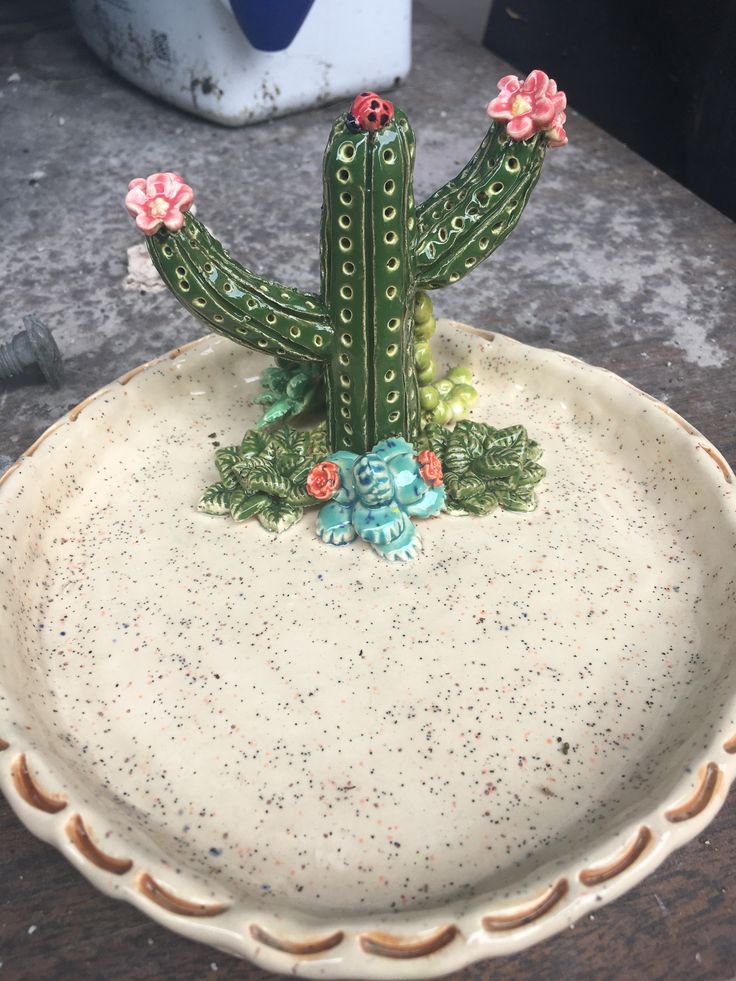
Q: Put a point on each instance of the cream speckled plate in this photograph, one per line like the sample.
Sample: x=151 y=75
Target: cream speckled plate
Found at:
x=341 y=767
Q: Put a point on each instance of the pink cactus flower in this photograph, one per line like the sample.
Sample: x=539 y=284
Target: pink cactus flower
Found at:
x=556 y=135
x=160 y=199
x=530 y=107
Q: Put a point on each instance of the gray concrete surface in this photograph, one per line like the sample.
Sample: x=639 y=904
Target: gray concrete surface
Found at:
x=467 y=17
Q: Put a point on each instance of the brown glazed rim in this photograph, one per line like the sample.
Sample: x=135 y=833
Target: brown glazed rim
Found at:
x=352 y=951
x=376 y=943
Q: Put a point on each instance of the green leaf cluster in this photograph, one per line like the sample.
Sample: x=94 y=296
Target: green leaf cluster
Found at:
x=266 y=476
x=290 y=388
x=485 y=468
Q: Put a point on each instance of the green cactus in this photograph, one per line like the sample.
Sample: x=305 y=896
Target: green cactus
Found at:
x=377 y=250
x=293 y=387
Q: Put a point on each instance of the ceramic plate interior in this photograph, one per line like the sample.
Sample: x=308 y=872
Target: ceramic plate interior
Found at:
x=342 y=767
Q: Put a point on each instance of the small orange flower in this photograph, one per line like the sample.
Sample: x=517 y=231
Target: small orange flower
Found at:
x=323 y=480
x=430 y=467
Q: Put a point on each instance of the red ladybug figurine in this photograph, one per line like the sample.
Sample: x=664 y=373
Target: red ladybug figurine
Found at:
x=369 y=112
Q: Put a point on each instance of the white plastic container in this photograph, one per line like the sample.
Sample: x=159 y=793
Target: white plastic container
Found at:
x=194 y=53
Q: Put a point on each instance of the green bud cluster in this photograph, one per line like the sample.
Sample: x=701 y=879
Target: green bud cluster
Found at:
x=445 y=400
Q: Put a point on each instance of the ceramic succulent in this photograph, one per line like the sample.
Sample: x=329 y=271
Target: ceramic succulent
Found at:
x=266 y=477
x=374 y=496
x=290 y=388
x=378 y=248
x=485 y=468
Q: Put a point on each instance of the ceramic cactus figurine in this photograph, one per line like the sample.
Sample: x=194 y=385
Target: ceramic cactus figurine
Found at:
x=378 y=248
x=363 y=341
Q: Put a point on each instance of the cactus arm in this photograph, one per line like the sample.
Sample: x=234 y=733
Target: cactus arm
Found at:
x=294 y=302
x=447 y=197
x=246 y=308
x=465 y=221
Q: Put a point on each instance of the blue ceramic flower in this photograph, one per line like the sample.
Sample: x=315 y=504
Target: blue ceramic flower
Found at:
x=375 y=495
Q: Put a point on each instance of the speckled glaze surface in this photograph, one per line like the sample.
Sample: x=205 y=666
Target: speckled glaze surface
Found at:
x=335 y=767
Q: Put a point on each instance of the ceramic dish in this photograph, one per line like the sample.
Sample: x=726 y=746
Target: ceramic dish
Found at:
x=335 y=767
